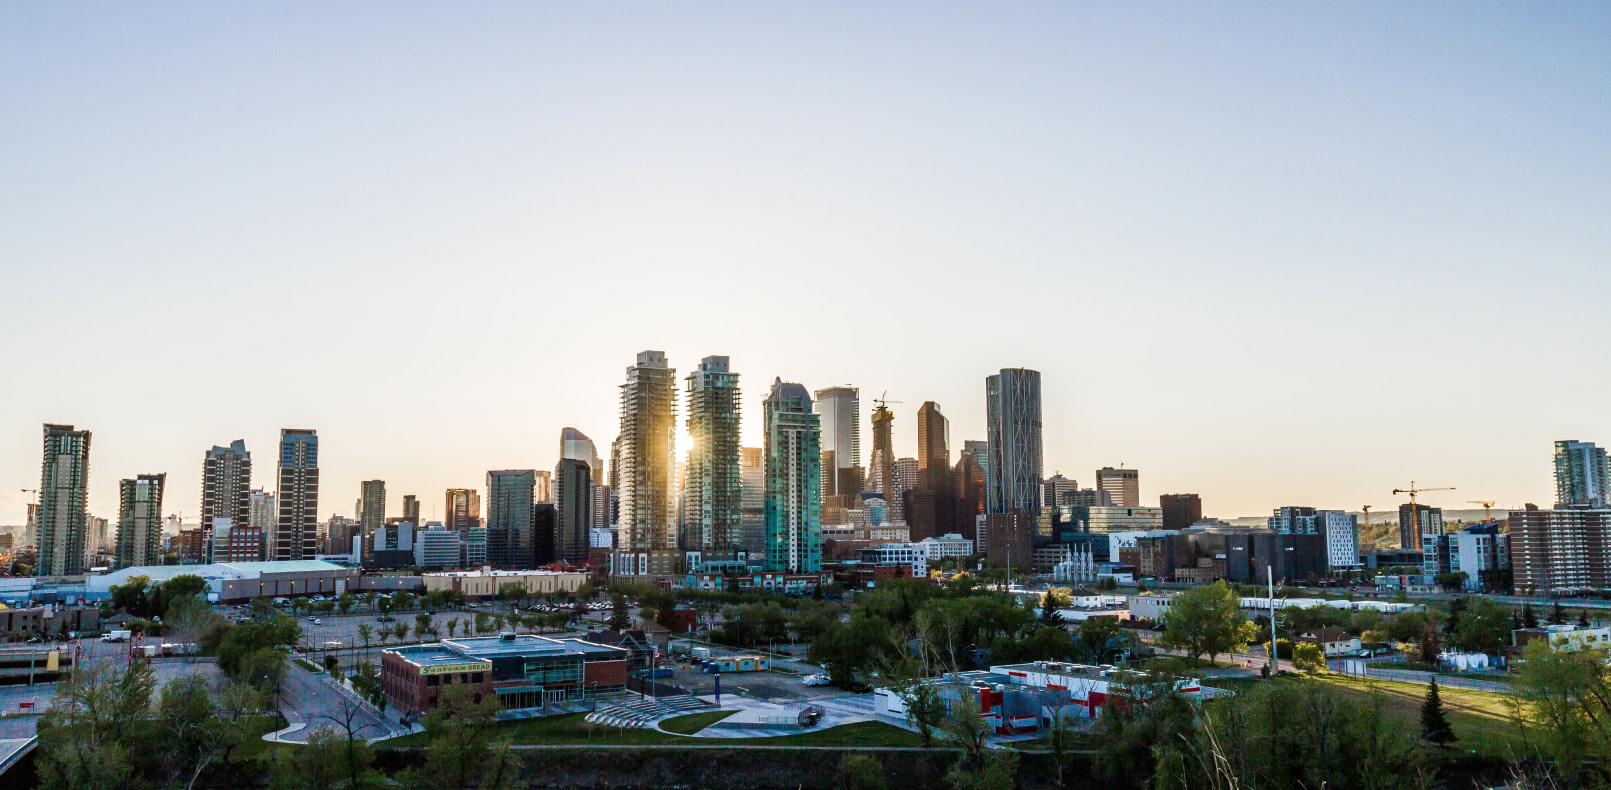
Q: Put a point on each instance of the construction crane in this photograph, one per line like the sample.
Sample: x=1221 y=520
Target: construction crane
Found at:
x=1415 y=522
x=881 y=400
x=1487 y=506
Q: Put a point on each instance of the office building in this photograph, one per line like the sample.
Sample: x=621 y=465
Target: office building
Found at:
x=575 y=445
x=226 y=489
x=230 y=543
x=1560 y=551
x=63 y=490
x=296 y=532
x=573 y=510
x=839 y=412
x=752 y=503
x=1179 y=510
x=475 y=547
x=1113 y=518
x=139 y=520
x=462 y=510
x=1341 y=530
x=793 y=452
x=970 y=487
x=1007 y=538
x=645 y=466
x=714 y=484
x=1581 y=475
x=372 y=506
x=438 y=547
x=1411 y=529
x=1122 y=485
x=511 y=493
x=522 y=672
x=911 y=556
x=411 y=509
x=1013 y=421
x=1053 y=489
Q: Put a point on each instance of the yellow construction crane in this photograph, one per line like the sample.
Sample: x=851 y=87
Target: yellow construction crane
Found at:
x=1487 y=505
x=1415 y=522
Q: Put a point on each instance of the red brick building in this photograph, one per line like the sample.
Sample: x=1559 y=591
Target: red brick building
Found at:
x=523 y=671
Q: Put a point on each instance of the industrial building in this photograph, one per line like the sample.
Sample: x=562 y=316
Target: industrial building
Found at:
x=241 y=581
x=484 y=583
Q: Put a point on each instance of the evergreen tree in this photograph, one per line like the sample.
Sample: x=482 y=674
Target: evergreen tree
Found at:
x=1583 y=618
x=1048 y=611
x=1529 y=618
x=1434 y=723
x=1557 y=615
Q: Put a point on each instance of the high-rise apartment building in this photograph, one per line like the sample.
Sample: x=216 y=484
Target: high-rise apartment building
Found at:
x=714 y=485
x=1012 y=416
x=752 y=507
x=462 y=510
x=511 y=493
x=1122 y=485
x=139 y=520
x=1293 y=520
x=839 y=411
x=296 y=533
x=411 y=509
x=793 y=456
x=1581 y=475
x=1411 y=529
x=646 y=465
x=1560 y=551
x=1180 y=510
x=573 y=506
x=226 y=490
x=371 y=507
x=63 y=489
x=1341 y=530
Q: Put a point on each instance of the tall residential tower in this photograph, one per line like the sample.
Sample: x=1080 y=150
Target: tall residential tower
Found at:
x=645 y=467
x=296 y=535
x=63 y=488
x=793 y=505
x=139 y=520
x=713 y=488
x=226 y=490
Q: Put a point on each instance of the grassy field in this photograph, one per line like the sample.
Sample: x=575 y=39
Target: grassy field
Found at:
x=1482 y=720
x=572 y=730
x=1497 y=677
x=694 y=722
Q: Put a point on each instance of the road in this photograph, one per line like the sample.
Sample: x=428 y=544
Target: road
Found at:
x=313 y=700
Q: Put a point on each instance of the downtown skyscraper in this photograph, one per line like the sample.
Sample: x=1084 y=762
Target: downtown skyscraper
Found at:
x=226 y=491
x=839 y=410
x=573 y=509
x=63 y=490
x=645 y=466
x=461 y=510
x=371 y=507
x=931 y=505
x=296 y=532
x=793 y=475
x=714 y=486
x=139 y=520
x=1012 y=420
x=511 y=495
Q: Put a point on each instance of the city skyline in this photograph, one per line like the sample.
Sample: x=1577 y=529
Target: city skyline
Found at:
x=1180 y=196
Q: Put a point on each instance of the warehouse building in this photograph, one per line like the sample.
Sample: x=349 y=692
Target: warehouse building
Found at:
x=484 y=583
x=241 y=581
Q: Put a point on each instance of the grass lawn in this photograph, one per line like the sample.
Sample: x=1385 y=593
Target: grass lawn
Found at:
x=571 y=730
x=1481 y=719
x=1498 y=677
x=306 y=664
x=694 y=722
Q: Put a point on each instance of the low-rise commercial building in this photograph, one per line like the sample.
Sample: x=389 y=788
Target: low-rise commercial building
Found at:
x=948 y=546
x=241 y=581
x=1565 y=637
x=912 y=555
x=484 y=583
x=525 y=672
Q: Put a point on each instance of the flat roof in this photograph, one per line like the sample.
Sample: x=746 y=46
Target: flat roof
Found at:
x=485 y=648
x=511 y=574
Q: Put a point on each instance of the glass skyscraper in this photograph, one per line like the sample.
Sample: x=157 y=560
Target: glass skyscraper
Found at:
x=511 y=493
x=1012 y=415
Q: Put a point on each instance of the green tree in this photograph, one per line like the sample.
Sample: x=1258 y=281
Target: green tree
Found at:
x=367 y=632
x=345 y=603
x=400 y=631
x=366 y=681
x=1566 y=699
x=1431 y=645
x=1101 y=638
x=1048 y=611
x=331 y=759
x=1308 y=657
x=860 y=772
x=1529 y=618
x=422 y=625
x=131 y=596
x=1207 y=621
x=453 y=627
x=462 y=753
x=1435 y=727
x=978 y=766
x=1484 y=628
x=85 y=738
x=620 y=618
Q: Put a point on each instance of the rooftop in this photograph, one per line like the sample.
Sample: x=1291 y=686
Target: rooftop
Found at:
x=503 y=646
x=483 y=573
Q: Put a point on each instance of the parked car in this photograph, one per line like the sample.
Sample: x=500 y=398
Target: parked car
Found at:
x=815 y=680
x=315 y=621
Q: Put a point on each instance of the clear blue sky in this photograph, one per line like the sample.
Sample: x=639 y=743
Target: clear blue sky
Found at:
x=1274 y=254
